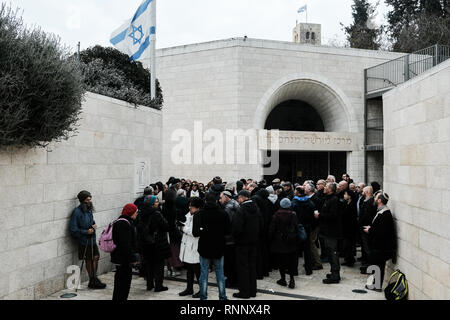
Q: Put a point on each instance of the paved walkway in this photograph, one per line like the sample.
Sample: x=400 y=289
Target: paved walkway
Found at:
x=307 y=288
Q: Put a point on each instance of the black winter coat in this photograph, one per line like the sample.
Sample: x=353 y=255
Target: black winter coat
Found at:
x=264 y=206
x=283 y=222
x=158 y=226
x=330 y=218
x=382 y=236
x=124 y=237
x=367 y=213
x=212 y=225
x=247 y=224
x=317 y=199
x=350 y=219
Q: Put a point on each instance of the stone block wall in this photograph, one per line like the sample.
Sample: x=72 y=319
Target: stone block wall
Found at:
x=38 y=189
x=416 y=173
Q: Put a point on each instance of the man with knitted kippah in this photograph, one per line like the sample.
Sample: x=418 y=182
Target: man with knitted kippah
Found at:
x=82 y=227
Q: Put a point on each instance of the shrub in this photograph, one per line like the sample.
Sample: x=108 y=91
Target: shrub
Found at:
x=41 y=88
x=109 y=72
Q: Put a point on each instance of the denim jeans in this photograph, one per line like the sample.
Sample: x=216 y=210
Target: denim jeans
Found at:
x=220 y=278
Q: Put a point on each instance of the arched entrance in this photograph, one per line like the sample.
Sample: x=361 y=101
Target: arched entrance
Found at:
x=305 y=106
x=298 y=166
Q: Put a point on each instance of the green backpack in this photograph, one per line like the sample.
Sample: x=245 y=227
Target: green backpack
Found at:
x=397 y=289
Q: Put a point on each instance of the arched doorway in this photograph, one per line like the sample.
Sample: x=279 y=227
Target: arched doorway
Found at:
x=299 y=105
x=298 y=166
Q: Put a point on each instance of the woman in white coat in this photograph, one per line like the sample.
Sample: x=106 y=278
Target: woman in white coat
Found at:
x=188 y=249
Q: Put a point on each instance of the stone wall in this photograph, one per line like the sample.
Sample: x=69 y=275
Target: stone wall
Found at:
x=38 y=191
x=417 y=175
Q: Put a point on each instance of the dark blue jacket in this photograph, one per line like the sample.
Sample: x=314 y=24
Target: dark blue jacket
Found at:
x=304 y=208
x=80 y=223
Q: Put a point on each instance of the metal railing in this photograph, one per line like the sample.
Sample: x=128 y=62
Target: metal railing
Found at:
x=394 y=72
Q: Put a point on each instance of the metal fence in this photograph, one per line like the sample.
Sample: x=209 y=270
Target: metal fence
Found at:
x=395 y=72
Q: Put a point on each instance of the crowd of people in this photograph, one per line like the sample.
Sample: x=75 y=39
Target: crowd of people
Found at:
x=242 y=231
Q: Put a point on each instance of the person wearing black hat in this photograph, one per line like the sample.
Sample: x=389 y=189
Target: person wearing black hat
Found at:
x=247 y=225
x=288 y=192
x=82 y=227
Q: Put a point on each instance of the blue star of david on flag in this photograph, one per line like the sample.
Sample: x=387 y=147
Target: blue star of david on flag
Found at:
x=133 y=37
x=133 y=34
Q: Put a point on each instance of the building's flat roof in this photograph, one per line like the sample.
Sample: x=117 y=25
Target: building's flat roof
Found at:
x=275 y=45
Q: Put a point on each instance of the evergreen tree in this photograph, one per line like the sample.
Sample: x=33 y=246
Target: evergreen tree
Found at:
x=363 y=34
x=109 y=72
x=417 y=24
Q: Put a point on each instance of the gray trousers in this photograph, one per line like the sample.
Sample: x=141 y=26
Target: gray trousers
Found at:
x=316 y=262
x=331 y=245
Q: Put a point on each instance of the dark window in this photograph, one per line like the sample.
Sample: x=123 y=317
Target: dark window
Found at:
x=313 y=36
x=307 y=36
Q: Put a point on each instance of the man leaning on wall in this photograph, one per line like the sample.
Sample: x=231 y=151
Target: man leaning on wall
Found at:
x=82 y=227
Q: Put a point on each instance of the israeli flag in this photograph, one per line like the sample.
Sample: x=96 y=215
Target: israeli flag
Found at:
x=134 y=36
x=304 y=8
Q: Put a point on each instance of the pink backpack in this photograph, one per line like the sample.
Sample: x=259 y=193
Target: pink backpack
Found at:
x=106 y=239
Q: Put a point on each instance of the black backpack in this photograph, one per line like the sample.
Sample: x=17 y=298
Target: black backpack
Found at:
x=397 y=289
x=146 y=236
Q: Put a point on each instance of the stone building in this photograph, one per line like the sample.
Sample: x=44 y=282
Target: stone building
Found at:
x=313 y=94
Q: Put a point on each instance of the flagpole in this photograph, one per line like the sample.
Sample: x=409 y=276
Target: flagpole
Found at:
x=153 y=51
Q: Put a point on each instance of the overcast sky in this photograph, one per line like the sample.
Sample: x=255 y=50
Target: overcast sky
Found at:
x=181 y=22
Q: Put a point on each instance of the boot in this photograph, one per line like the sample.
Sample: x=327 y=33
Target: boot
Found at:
x=282 y=282
x=91 y=283
x=100 y=284
x=329 y=276
x=292 y=283
x=186 y=292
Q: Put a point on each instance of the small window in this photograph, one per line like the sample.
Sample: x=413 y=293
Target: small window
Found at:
x=307 y=36
x=313 y=36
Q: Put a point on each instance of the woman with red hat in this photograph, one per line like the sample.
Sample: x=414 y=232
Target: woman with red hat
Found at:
x=124 y=255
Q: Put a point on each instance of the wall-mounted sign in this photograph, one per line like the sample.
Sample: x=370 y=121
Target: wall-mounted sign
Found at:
x=141 y=176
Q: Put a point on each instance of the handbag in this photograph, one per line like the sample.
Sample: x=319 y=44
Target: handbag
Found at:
x=302 y=233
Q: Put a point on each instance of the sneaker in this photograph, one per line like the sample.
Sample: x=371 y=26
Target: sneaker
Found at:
x=377 y=290
x=186 y=293
x=161 y=289
x=330 y=280
x=282 y=282
x=196 y=296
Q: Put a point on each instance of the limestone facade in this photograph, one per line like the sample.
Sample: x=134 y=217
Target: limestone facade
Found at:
x=236 y=83
x=417 y=175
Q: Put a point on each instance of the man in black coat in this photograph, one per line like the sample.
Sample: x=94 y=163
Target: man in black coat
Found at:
x=382 y=236
x=124 y=255
x=366 y=215
x=330 y=223
x=247 y=226
x=212 y=225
